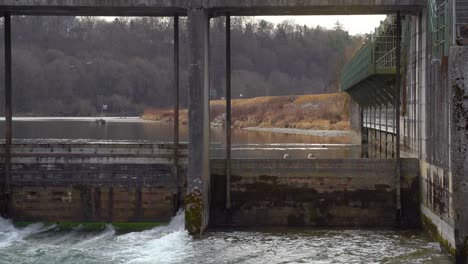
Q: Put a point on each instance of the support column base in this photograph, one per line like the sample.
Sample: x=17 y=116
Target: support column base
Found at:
x=194 y=212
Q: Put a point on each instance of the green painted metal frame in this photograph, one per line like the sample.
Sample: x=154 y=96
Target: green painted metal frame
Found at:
x=369 y=60
x=440 y=24
x=374 y=65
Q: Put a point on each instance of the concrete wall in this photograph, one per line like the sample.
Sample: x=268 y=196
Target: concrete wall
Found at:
x=350 y=192
x=427 y=127
x=433 y=129
x=459 y=151
x=92 y=182
x=214 y=7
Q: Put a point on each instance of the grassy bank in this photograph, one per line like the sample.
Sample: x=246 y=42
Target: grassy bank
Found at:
x=318 y=111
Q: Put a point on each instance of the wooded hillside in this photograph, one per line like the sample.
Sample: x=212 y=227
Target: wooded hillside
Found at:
x=67 y=66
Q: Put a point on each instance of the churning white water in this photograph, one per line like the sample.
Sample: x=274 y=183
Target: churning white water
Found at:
x=172 y=244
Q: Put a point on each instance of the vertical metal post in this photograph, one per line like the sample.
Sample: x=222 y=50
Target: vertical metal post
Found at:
x=369 y=140
x=375 y=132
x=380 y=131
x=8 y=93
x=369 y=130
x=8 y=103
x=397 y=117
x=5 y=189
x=393 y=131
x=364 y=139
x=176 y=109
x=228 y=112
x=386 y=129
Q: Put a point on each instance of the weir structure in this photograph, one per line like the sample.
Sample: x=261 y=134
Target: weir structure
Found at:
x=403 y=67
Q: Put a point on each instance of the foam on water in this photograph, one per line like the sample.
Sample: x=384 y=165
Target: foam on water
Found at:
x=10 y=235
x=172 y=244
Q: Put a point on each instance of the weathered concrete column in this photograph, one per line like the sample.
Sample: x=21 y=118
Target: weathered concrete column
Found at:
x=197 y=201
x=459 y=148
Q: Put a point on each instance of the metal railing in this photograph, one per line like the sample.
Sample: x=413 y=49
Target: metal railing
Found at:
x=387 y=61
x=358 y=68
x=378 y=54
x=439 y=21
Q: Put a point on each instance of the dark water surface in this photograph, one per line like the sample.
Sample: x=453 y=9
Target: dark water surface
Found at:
x=246 y=143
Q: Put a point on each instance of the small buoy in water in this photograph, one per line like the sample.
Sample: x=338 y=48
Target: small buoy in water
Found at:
x=310 y=156
x=286 y=156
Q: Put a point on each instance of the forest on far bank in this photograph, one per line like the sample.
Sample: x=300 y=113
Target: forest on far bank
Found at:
x=71 y=66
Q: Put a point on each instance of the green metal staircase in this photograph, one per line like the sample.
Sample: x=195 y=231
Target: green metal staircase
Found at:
x=370 y=76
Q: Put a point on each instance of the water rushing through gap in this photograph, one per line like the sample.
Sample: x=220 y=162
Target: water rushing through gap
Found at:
x=172 y=244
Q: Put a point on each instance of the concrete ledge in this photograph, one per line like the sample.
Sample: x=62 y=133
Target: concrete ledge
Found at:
x=95 y=8
x=314 y=7
x=215 y=7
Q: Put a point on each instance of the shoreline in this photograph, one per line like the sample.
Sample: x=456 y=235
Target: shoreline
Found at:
x=109 y=119
x=309 y=132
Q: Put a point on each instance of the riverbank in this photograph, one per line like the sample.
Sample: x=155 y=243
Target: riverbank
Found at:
x=318 y=133
x=304 y=112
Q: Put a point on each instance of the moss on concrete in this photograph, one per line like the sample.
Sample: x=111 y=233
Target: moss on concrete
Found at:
x=98 y=226
x=193 y=212
x=433 y=231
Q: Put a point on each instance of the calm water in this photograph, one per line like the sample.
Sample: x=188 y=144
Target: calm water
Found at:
x=172 y=244
x=246 y=144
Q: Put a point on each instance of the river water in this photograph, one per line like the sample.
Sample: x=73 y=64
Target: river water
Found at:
x=172 y=244
x=246 y=143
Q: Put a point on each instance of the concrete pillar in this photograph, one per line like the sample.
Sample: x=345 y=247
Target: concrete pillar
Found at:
x=197 y=201
x=459 y=148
